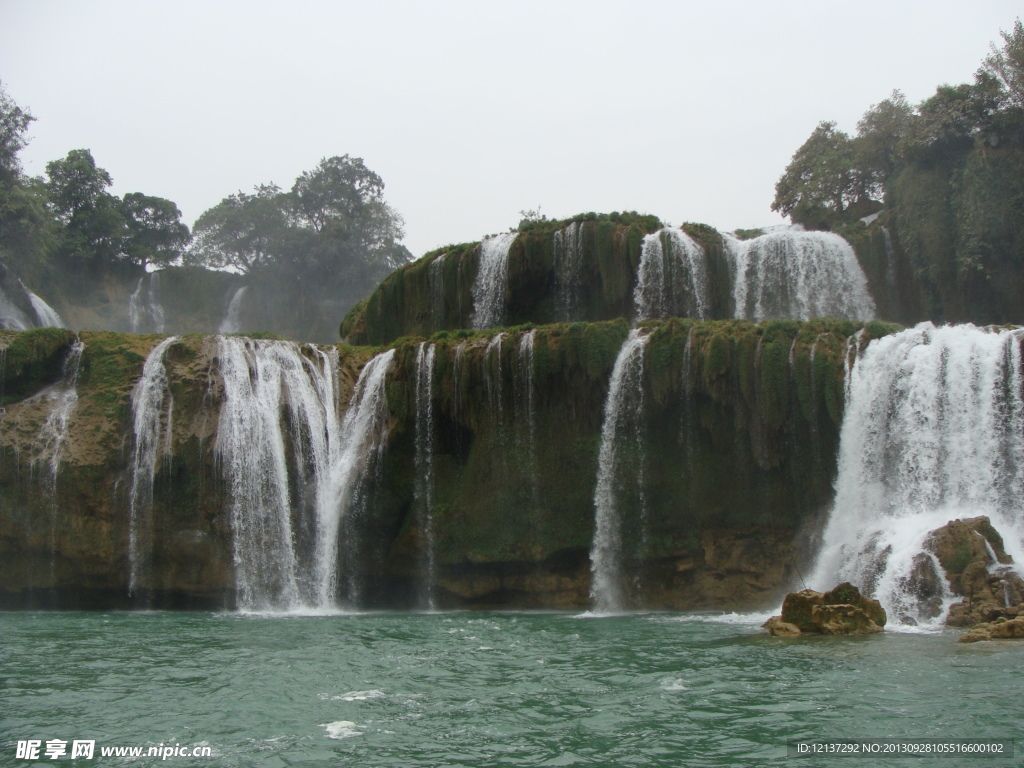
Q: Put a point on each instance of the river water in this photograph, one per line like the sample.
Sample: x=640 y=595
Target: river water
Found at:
x=483 y=689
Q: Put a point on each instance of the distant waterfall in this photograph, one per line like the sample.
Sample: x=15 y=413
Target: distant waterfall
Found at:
x=798 y=275
x=436 y=282
x=424 y=467
x=526 y=413
x=673 y=280
x=13 y=318
x=145 y=312
x=568 y=267
x=232 y=317
x=933 y=431
x=47 y=315
x=620 y=478
x=490 y=289
x=152 y=411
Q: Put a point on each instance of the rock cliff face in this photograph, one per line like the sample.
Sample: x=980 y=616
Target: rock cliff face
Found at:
x=481 y=491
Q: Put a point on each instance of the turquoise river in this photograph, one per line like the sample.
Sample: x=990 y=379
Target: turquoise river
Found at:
x=489 y=689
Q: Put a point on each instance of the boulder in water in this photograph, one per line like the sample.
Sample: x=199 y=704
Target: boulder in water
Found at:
x=1000 y=629
x=841 y=611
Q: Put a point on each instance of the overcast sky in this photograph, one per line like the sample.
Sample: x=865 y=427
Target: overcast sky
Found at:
x=474 y=111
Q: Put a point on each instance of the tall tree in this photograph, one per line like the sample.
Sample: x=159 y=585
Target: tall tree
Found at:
x=245 y=232
x=154 y=233
x=820 y=181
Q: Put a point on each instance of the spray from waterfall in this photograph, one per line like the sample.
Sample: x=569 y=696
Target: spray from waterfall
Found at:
x=152 y=411
x=620 y=481
x=47 y=316
x=424 y=464
x=490 y=289
x=797 y=275
x=673 y=280
x=933 y=431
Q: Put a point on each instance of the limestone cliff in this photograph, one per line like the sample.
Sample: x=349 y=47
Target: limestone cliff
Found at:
x=493 y=484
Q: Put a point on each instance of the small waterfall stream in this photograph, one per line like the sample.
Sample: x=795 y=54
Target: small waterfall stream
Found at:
x=620 y=479
x=232 y=322
x=490 y=289
x=424 y=465
x=933 y=431
x=145 y=312
x=568 y=266
x=152 y=412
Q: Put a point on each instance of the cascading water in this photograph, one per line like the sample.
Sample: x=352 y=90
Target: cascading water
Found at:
x=798 y=275
x=63 y=397
x=933 y=431
x=526 y=413
x=47 y=315
x=424 y=488
x=568 y=265
x=620 y=480
x=263 y=381
x=361 y=444
x=152 y=412
x=436 y=282
x=232 y=322
x=145 y=312
x=673 y=279
x=490 y=289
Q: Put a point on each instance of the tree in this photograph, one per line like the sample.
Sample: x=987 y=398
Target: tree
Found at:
x=14 y=122
x=244 y=232
x=154 y=233
x=1006 y=66
x=880 y=141
x=820 y=181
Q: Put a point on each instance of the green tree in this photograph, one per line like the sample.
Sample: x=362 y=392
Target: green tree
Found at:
x=1006 y=66
x=245 y=232
x=14 y=123
x=154 y=233
x=820 y=181
x=880 y=142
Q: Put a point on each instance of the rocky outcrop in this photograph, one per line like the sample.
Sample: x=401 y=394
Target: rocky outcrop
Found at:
x=977 y=568
x=841 y=611
x=1000 y=629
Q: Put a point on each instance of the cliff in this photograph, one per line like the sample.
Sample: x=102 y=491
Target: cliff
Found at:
x=475 y=486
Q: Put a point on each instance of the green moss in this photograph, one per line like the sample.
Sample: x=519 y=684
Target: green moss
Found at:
x=31 y=360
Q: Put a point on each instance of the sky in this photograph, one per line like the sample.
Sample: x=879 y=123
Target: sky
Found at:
x=473 y=112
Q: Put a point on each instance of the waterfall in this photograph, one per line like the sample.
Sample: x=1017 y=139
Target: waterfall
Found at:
x=64 y=397
x=232 y=321
x=47 y=315
x=620 y=478
x=526 y=414
x=152 y=407
x=435 y=279
x=493 y=380
x=568 y=265
x=11 y=316
x=424 y=463
x=933 y=431
x=673 y=280
x=146 y=313
x=360 y=447
x=490 y=289
x=798 y=275
x=279 y=414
